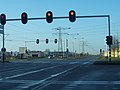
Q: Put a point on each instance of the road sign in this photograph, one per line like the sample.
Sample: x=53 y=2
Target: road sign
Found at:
x=3 y=49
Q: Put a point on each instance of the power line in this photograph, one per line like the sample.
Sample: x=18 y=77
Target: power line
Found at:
x=59 y=29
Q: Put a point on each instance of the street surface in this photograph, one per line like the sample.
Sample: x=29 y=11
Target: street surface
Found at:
x=59 y=75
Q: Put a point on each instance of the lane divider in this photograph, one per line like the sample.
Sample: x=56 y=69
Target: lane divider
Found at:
x=18 y=75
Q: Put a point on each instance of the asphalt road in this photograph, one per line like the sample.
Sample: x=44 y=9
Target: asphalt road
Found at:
x=59 y=75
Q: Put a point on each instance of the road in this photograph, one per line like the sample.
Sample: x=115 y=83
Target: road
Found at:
x=59 y=75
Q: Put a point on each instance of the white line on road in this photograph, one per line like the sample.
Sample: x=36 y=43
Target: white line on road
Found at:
x=28 y=73
x=45 y=80
x=18 y=75
x=86 y=63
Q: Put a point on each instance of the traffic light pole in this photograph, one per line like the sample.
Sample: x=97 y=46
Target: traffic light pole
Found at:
x=3 y=45
x=109 y=36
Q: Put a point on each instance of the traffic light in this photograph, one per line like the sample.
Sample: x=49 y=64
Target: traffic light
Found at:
x=72 y=16
x=55 y=41
x=3 y=19
x=37 y=41
x=100 y=50
x=109 y=40
x=67 y=50
x=47 y=41
x=49 y=17
x=24 y=18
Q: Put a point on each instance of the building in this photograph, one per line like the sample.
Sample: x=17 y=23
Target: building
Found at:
x=114 y=52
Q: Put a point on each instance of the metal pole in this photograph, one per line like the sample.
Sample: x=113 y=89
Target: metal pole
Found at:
x=67 y=47
x=3 y=45
x=83 y=47
x=25 y=43
x=109 y=35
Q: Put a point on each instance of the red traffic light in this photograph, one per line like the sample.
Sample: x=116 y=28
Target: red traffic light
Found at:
x=49 y=17
x=72 y=16
x=24 y=18
x=3 y=19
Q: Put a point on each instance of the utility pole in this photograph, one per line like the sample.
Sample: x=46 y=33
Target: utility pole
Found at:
x=73 y=37
x=83 y=46
x=59 y=29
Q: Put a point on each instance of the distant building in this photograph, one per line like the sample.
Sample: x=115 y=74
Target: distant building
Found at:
x=36 y=54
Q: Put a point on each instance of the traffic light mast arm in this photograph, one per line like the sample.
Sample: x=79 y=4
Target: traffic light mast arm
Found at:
x=28 y=19
x=28 y=42
x=63 y=17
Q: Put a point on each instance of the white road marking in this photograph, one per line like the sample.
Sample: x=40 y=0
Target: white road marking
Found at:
x=86 y=63
x=19 y=81
x=39 y=71
x=27 y=73
x=45 y=80
x=27 y=84
x=74 y=62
